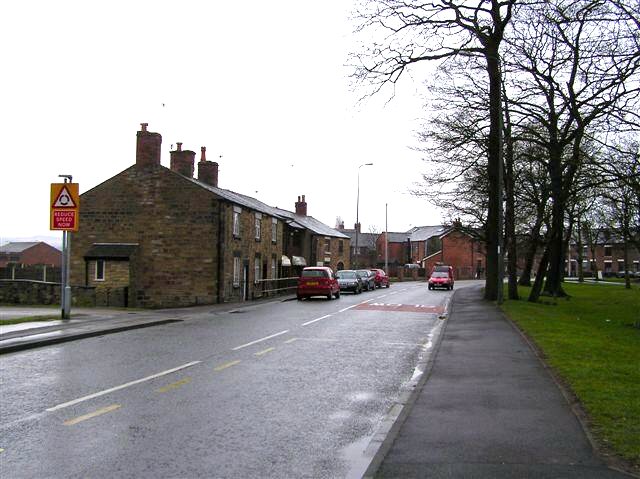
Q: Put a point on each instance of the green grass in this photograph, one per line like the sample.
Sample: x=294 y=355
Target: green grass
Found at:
x=592 y=341
x=28 y=319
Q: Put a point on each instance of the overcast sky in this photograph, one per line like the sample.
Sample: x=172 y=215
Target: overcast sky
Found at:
x=261 y=84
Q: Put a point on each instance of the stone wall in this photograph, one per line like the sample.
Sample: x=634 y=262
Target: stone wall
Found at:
x=39 y=292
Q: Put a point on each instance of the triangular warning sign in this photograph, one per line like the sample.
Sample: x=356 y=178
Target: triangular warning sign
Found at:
x=64 y=199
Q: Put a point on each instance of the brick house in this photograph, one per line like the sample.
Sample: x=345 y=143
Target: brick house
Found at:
x=428 y=245
x=366 y=255
x=607 y=254
x=165 y=239
x=30 y=253
x=460 y=249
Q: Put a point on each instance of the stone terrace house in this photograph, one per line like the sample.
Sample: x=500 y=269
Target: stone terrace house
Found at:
x=167 y=239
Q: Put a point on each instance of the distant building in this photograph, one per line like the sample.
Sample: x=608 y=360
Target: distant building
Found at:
x=29 y=253
x=163 y=238
x=365 y=256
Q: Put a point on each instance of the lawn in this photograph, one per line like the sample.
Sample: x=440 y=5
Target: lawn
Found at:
x=591 y=342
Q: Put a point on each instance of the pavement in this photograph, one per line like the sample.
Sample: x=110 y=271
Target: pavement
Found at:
x=486 y=405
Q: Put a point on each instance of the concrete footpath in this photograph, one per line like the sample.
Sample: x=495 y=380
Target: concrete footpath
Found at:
x=487 y=408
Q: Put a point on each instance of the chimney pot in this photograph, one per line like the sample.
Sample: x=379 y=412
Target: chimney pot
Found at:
x=301 y=206
x=203 y=153
x=148 y=147
x=179 y=146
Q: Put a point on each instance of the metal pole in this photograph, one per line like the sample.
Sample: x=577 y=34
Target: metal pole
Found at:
x=63 y=275
x=358 y=214
x=67 y=288
x=386 y=240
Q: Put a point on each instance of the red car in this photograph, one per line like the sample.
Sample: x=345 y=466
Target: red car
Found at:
x=317 y=281
x=381 y=278
x=441 y=277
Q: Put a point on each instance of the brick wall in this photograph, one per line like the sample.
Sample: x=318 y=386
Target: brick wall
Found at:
x=460 y=251
x=42 y=253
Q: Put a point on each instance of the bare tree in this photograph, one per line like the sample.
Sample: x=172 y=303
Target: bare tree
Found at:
x=411 y=32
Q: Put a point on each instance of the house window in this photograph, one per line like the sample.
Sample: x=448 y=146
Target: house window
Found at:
x=100 y=270
x=236 y=221
x=257 y=269
x=340 y=246
x=274 y=270
x=274 y=230
x=258 y=226
x=236 y=271
x=621 y=265
x=607 y=250
x=327 y=245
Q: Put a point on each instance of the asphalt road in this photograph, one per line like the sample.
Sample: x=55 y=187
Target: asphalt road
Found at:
x=282 y=389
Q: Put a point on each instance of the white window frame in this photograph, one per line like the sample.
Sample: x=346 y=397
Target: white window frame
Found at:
x=258 y=225
x=274 y=230
x=236 y=271
x=236 y=220
x=257 y=269
x=104 y=266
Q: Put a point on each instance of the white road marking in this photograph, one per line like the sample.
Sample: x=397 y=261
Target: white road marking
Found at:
x=365 y=302
x=314 y=320
x=381 y=296
x=117 y=388
x=260 y=340
x=345 y=309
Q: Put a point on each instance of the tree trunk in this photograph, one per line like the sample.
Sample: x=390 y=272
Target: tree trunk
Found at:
x=510 y=215
x=580 y=256
x=555 y=245
x=534 y=294
x=493 y=282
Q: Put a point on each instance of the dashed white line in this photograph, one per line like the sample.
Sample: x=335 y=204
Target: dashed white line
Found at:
x=117 y=388
x=260 y=340
x=317 y=319
x=345 y=309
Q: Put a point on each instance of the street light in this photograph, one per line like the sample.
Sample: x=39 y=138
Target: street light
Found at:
x=358 y=212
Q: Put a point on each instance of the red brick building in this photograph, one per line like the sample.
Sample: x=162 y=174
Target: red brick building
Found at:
x=461 y=250
x=29 y=253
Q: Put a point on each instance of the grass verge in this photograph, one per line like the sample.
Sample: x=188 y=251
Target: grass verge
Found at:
x=28 y=319
x=590 y=341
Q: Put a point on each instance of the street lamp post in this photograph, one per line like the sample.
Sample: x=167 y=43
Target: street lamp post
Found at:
x=358 y=213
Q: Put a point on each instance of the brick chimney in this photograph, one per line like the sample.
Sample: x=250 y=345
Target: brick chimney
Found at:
x=357 y=227
x=301 y=206
x=182 y=161
x=148 y=147
x=207 y=170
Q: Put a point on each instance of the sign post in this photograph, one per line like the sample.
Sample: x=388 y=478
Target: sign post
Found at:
x=65 y=204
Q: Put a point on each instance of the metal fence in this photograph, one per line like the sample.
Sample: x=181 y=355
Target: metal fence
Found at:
x=38 y=272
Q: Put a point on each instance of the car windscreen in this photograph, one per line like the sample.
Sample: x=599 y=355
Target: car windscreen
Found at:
x=314 y=273
x=346 y=274
x=364 y=273
x=441 y=268
x=438 y=274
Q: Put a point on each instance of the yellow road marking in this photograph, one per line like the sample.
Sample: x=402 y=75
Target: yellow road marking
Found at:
x=91 y=415
x=268 y=350
x=175 y=385
x=226 y=365
x=289 y=341
x=1 y=449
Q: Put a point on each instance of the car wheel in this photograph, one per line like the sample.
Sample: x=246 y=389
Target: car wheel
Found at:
x=387 y=285
x=299 y=298
x=337 y=294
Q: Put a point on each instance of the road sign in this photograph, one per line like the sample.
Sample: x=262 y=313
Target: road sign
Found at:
x=65 y=202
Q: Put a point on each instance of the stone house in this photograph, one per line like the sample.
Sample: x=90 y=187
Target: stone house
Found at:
x=162 y=238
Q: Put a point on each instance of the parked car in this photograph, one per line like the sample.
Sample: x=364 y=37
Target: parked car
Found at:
x=350 y=280
x=381 y=279
x=441 y=279
x=317 y=281
x=368 y=279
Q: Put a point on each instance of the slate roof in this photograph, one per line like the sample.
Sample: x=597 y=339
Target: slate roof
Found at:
x=116 y=251
x=294 y=220
x=423 y=233
x=18 y=246
x=397 y=237
x=364 y=239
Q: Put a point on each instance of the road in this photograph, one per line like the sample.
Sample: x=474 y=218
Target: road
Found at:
x=280 y=389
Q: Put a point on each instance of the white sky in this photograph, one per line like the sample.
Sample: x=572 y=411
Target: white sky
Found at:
x=261 y=83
